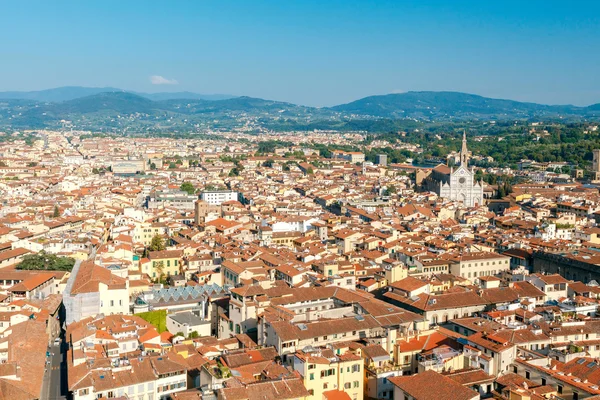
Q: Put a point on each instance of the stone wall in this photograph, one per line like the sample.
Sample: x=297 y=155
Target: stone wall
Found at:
x=569 y=268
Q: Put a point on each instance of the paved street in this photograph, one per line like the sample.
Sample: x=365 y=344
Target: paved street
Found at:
x=55 y=379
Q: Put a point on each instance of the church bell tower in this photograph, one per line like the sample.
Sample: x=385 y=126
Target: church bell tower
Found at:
x=464 y=153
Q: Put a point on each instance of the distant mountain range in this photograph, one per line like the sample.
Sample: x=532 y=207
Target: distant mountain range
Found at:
x=115 y=109
x=74 y=92
x=448 y=105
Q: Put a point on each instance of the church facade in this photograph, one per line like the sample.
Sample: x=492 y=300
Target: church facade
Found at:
x=457 y=184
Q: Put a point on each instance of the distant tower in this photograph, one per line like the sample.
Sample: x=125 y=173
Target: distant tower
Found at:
x=596 y=164
x=464 y=153
x=200 y=211
x=381 y=159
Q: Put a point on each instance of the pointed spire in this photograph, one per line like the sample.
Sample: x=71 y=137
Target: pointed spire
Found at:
x=464 y=152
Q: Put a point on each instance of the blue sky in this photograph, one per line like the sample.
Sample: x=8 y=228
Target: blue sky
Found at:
x=308 y=52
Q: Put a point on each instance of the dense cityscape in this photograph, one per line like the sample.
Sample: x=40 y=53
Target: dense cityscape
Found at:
x=274 y=266
x=299 y=200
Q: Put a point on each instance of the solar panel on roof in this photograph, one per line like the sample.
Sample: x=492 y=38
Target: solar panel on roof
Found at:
x=581 y=361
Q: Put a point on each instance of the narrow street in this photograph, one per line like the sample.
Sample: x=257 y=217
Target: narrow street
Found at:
x=55 y=380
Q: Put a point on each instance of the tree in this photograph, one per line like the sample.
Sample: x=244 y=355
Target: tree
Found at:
x=152 y=166
x=172 y=165
x=43 y=261
x=391 y=189
x=95 y=171
x=188 y=187
x=159 y=267
x=504 y=189
x=56 y=212
x=157 y=243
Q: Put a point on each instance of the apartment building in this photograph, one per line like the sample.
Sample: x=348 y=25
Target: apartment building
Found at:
x=430 y=385
x=492 y=353
x=554 y=286
x=155 y=377
x=573 y=379
x=323 y=371
x=92 y=290
x=163 y=263
x=474 y=265
x=218 y=197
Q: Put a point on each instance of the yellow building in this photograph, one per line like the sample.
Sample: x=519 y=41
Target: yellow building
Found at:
x=323 y=371
x=144 y=232
x=166 y=263
x=395 y=273
x=285 y=238
x=346 y=240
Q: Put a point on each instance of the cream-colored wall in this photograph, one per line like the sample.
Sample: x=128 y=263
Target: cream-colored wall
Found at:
x=343 y=375
x=119 y=298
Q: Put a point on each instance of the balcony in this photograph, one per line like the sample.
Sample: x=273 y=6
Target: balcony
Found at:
x=387 y=367
x=437 y=358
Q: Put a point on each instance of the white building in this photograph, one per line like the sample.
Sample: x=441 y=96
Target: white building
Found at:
x=456 y=184
x=476 y=265
x=92 y=290
x=554 y=286
x=218 y=197
x=186 y=323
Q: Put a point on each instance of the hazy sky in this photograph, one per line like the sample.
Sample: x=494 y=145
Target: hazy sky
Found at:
x=308 y=52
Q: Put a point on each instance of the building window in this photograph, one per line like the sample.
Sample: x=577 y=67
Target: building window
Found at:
x=312 y=376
